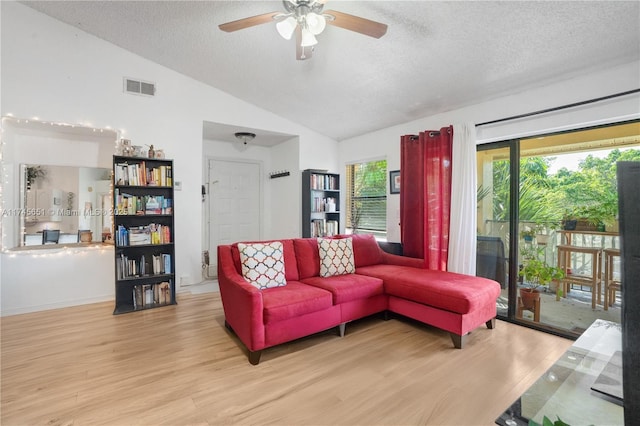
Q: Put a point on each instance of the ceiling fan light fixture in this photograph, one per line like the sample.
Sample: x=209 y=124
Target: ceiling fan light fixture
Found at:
x=308 y=39
x=307 y=19
x=286 y=27
x=315 y=23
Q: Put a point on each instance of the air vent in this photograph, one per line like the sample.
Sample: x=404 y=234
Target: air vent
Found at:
x=138 y=87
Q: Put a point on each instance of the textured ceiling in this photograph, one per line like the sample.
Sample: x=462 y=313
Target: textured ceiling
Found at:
x=436 y=56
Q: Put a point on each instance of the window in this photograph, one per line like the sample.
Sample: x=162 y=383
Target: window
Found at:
x=367 y=198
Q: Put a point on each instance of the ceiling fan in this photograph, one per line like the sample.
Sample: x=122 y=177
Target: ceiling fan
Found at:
x=306 y=19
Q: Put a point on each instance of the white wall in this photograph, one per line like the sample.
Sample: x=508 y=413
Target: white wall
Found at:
x=286 y=192
x=58 y=73
x=386 y=142
x=48 y=279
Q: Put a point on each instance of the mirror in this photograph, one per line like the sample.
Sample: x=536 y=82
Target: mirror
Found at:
x=74 y=203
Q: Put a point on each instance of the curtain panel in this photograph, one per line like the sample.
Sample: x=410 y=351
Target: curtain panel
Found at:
x=425 y=195
x=464 y=183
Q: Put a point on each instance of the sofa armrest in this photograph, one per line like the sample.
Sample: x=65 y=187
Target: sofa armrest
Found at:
x=242 y=302
x=394 y=259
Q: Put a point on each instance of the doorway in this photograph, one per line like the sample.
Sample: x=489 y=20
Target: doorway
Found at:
x=233 y=205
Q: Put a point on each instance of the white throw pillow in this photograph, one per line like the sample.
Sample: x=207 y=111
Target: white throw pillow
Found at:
x=336 y=256
x=263 y=264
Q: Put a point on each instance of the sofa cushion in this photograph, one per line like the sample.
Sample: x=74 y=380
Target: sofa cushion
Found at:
x=336 y=256
x=444 y=290
x=290 y=264
x=307 y=257
x=262 y=264
x=293 y=300
x=366 y=250
x=346 y=288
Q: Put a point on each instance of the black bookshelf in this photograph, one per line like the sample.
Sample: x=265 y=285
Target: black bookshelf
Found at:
x=320 y=203
x=143 y=219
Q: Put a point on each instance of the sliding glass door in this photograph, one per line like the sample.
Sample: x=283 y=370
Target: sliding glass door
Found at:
x=550 y=202
x=494 y=195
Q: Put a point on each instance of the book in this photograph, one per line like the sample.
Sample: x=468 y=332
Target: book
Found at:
x=165 y=293
x=139 y=236
x=153 y=205
x=138 y=299
x=153 y=233
x=148 y=294
x=331 y=228
x=157 y=294
x=122 y=236
x=167 y=206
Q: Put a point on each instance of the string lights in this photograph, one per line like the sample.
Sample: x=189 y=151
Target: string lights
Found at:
x=62 y=250
x=9 y=118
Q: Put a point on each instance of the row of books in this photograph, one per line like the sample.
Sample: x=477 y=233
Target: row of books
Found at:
x=148 y=295
x=324 y=182
x=319 y=204
x=152 y=233
x=127 y=204
x=127 y=267
x=324 y=228
x=137 y=174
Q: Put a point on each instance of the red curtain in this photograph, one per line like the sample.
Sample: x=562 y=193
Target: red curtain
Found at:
x=425 y=196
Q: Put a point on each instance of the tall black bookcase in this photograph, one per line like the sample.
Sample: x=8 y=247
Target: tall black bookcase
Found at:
x=320 y=203
x=144 y=233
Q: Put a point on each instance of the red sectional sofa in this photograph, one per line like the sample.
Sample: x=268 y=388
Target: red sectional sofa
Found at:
x=310 y=303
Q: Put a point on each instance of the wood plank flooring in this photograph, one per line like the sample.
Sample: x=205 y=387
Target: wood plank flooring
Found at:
x=178 y=365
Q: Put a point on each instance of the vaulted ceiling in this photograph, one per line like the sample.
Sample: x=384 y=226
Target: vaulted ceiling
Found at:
x=436 y=55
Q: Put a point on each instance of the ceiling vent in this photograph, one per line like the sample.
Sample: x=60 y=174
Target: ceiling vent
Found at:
x=139 y=87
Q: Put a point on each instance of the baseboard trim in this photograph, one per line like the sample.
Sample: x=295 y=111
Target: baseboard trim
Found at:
x=5 y=312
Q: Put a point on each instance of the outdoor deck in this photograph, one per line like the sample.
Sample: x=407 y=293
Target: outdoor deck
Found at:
x=574 y=312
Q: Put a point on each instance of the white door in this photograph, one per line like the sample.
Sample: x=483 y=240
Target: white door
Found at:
x=234 y=205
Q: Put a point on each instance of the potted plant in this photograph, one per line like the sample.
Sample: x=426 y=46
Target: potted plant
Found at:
x=569 y=220
x=544 y=231
x=600 y=214
x=527 y=234
x=536 y=274
x=34 y=173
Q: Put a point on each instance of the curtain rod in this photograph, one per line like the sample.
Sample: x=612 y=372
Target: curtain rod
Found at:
x=544 y=111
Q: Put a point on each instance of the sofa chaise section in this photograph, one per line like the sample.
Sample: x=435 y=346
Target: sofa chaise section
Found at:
x=453 y=302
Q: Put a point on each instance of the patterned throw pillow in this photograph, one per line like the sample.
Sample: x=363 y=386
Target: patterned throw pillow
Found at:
x=336 y=256
x=263 y=264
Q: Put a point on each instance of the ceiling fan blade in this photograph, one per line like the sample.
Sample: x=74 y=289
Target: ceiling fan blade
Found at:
x=243 y=23
x=356 y=23
x=302 y=52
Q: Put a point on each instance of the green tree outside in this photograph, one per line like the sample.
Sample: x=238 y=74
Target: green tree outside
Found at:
x=589 y=192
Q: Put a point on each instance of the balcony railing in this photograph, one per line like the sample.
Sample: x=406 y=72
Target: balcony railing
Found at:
x=550 y=238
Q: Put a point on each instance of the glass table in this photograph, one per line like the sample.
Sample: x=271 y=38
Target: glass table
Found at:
x=564 y=391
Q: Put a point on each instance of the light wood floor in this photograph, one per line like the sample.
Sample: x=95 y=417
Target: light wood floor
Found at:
x=179 y=365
